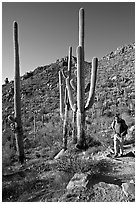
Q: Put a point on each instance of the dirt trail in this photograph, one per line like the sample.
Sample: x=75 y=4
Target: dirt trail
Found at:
x=39 y=180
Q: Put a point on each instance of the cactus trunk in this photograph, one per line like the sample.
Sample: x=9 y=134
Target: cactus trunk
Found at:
x=74 y=136
x=80 y=98
x=65 y=127
x=81 y=83
x=61 y=95
x=81 y=30
x=17 y=99
x=90 y=100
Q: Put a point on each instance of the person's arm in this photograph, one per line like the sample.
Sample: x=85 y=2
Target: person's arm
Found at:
x=112 y=125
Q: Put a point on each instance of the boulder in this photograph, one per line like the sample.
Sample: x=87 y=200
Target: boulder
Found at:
x=79 y=180
x=130 y=137
x=129 y=189
x=107 y=192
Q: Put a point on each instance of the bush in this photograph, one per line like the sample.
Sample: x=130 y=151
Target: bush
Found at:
x=8 y=153
x=130 y=121
x=72 y=163
x=48 y=135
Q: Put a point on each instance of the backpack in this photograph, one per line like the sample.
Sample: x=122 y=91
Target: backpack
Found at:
x=124 y=127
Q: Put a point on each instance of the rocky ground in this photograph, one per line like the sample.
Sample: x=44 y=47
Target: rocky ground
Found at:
x=102 y=178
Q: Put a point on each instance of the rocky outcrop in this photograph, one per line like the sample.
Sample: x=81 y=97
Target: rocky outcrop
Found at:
x=129 y=189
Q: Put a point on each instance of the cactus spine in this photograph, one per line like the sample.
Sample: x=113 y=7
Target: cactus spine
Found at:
x=81 y=107
x=17 y=99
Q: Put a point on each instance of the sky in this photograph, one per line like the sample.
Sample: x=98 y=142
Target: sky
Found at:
x=47 y=29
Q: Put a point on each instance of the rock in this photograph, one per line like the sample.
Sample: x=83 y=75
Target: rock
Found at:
x=130 y=137
x=132 y=129
x=129 y=189
x=107 y=192
x=79 y=180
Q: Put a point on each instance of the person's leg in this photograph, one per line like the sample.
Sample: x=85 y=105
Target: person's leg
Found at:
x=121 y=147
x=116 y=145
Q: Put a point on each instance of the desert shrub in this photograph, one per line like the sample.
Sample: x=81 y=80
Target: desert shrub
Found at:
x=92 y=142
x=73 y=163
x=99 y=132
x=27 y=75
x=8 y=146
x=129 y=120
x=49 y=134
x=26 y=123
x=108 y=113
x=31 y=118
x=8 y=152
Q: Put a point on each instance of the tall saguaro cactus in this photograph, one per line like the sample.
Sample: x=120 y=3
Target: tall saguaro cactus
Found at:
x=81 y=106
x=17 y=98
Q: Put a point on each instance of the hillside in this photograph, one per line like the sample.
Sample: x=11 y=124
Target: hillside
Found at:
x=115 y=92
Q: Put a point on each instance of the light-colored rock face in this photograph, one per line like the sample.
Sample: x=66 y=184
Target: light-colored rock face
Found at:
x=129 y=189
x=78 y=181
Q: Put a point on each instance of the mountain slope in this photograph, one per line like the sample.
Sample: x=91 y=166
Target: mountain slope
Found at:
x=40 y=87
x=40 y=177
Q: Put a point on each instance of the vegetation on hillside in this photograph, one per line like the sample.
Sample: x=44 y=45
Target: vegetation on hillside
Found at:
x=115 y=92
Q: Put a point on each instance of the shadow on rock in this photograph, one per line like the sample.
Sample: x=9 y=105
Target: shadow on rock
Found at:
x=97 y=178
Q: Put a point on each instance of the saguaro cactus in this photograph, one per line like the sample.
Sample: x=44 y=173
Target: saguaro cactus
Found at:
x=17 y=98
x=81 y=107
x=64 y=100
x=63 y=111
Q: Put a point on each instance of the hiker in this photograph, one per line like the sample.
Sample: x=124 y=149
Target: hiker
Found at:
x=120 y=128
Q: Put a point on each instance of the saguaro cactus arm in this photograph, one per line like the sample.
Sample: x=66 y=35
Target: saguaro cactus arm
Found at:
x=68 y=73
x=70 y=95
x=11 y=119
x=73 y=85
x=64 y=74
x=70 y=62
x=90 y=100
